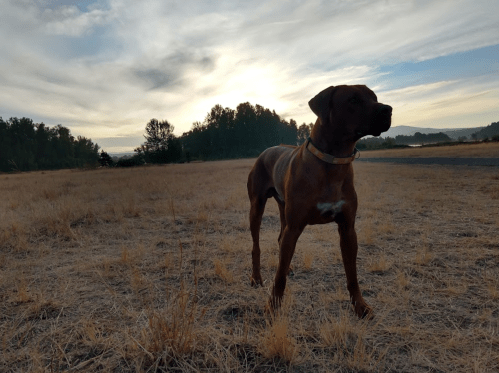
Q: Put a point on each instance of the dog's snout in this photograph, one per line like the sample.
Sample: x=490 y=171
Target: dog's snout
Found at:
x=385 y=110
x=382 y=119
x=383 y=114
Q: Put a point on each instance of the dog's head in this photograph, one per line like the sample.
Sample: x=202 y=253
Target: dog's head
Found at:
x=351 y=112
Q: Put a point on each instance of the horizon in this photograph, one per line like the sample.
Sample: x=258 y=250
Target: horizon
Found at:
x=103 y=69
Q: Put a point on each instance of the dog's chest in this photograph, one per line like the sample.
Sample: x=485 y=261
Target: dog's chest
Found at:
x=328 y=203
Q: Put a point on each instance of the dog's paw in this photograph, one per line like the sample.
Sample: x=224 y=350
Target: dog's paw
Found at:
x=363 y=310
x=272 y=307
x=256 y=280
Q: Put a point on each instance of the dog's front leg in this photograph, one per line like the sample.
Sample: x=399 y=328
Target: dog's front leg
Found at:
x=348 y=244
x=287 y=247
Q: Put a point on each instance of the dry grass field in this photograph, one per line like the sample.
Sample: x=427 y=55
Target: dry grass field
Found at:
x=486 y=150
x=147 y=269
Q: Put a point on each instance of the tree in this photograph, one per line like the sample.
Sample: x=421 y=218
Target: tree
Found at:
x=62 y=142
x=85 y=152
x=105 y=159
x=288 y=132
x=161 y=145
x=219 y=126
x=304 y=133
x=244 y=132
x=22 y=134
x=158 y=134
x=245 y=137
x=487 y=132
x=5 y=146
x=44 y=151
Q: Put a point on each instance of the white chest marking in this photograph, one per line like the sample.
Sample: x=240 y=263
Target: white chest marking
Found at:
x=327 y=209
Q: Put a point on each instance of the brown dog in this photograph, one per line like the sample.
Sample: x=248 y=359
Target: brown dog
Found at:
x=313 y=183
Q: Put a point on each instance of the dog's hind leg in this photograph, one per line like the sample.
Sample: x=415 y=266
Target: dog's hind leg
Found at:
x=256 y=212
x=258 y=195
x=282 y=218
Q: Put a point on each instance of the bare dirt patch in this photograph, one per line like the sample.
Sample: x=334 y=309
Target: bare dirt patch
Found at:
x=148 y=269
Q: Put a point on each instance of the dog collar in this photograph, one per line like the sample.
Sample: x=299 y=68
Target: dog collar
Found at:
x=329 y=158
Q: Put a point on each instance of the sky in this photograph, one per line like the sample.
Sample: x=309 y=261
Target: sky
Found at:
x=104 y=68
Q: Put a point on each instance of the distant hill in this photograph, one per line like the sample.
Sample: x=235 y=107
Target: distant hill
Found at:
x=453 y=133
x=121 y=155
x=459 y=132
x=489 y=131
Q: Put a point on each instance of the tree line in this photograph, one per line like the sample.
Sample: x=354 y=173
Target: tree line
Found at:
x=26 y=146
x=247 y=131
x=244 y=132
x=422 y=138
x=489 y=132
x=399 y=141
x=225 y=133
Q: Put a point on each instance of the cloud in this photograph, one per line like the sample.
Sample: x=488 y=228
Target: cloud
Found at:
x=70 y=21
x=459 y=103
x=104 y=68
x=171 y=70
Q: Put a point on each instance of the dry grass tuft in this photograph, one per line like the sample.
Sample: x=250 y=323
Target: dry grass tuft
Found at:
x=402 y=280
x=347 y=337
x=423 y=255
x=342 y=332
x=222 y=271
x=172 y=331
x=379 y=264
x=276 y=341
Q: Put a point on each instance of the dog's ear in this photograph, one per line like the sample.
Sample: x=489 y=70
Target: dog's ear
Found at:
x=320 y=104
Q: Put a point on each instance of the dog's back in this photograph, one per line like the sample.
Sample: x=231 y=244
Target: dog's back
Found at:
x=269 y=169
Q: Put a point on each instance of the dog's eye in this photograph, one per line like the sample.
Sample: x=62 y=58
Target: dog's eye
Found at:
x=355 y=100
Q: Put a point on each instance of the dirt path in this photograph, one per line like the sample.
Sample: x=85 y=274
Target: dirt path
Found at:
x=437 y=160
